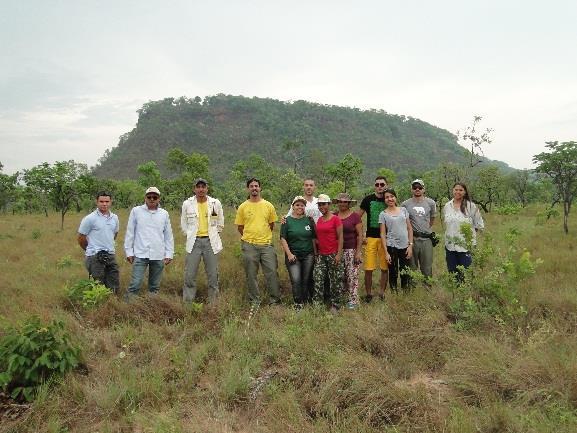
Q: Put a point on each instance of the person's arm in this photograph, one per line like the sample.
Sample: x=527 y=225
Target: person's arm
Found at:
x=433 y=213
x=341 y=239
x=383 y=231
x=219 y=216
x=168 y=241
x=82 y=241
x=129 y=237
x=410 y=234
x=183 y=220
x=289 y=255
x=240 y=229
x=359 y=229
x=271 y=226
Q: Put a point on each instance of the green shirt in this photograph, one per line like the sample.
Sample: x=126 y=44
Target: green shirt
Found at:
x=299 y=234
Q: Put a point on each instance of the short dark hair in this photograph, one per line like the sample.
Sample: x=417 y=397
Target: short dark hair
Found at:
x=251 y=180
x=382 y=177
x=103 y=194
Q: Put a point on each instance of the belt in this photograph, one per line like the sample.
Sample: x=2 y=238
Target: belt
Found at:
x=201 y=237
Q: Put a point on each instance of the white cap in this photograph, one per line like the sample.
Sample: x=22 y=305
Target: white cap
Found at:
x=152 y=189
x=323 y=198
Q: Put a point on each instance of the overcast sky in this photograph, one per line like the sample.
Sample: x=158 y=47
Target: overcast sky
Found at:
x=73 y=73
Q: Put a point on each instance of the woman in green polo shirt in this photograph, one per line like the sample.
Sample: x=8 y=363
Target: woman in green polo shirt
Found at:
x=296 y=236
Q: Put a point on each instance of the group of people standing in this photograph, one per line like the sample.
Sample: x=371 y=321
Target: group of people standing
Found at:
x=322 y=247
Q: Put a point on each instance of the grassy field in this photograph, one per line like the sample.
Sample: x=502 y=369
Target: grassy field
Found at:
x=402 y=365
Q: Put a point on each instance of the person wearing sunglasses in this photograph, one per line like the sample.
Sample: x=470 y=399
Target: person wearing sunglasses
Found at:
x=375 y=254
x=422 y=212
x=148 y=243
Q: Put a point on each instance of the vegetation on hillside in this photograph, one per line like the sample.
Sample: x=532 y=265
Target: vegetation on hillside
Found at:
x=296 y=134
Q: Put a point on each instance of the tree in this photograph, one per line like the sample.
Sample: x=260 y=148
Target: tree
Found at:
x=475 y=140
x=348 y=170
x=560 y=165
x=62 y=183
x=8 y=188
x=488 y=187
x=293 y=149
x=521 y=186
x=149 y=174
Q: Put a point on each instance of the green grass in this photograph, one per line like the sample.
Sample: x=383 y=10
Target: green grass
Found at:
x=398 y=366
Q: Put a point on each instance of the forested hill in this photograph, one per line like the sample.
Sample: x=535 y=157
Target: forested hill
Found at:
x=229 y=128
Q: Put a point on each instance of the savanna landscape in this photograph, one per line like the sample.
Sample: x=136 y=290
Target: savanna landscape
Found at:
x=496 y=354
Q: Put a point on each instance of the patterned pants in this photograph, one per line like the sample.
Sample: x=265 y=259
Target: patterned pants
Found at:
x=325 y=267
x=351 y=276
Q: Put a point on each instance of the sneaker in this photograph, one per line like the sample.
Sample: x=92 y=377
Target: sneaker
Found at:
x=352 y=306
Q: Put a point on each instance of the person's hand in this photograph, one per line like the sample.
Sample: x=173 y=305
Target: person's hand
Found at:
x=409 y=252
x=358 y=259
x=130 y=259
x=291 y=258
x=283 y=220
x=364 y=241
x=389 y=259
x=338 y=258
x=167 y=261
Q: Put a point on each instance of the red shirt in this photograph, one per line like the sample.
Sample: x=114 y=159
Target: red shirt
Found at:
x=327 y=236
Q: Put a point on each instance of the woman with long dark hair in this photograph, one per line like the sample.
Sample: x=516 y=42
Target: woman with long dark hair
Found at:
x=458 y=214
x=397 y=238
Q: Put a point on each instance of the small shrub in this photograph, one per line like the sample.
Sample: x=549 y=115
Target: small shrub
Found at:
x=491 y=284
x=64 y=262
x=508 y=209
x=34 y=354
x=36 y=234
x=88 y=293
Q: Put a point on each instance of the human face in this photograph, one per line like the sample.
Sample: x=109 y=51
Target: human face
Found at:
x=323 y=208
x=380 y=186
x=201 y=190
x=458 y=192
x=254 y=189
x=299 y=208
x=309 y=187
x=152 y=200
x=343 y=205
x=103 y=203
x=417 y=189
x=390 y=200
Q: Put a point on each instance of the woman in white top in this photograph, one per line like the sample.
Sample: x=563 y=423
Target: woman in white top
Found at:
x=397 y=238
x=457 y=213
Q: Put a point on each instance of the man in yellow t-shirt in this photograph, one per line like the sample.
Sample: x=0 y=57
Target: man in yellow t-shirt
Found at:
x=255 y=219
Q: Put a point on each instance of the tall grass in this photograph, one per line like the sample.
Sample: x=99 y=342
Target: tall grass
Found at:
x=398 y=366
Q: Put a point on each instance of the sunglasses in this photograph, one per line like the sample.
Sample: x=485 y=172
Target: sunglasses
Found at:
x=417 y=187
x=152 y=197
x=380 y=184
x=323 y=203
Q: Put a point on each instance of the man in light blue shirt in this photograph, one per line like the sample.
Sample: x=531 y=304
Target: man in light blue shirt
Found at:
x=96 y=236
x=148 y=242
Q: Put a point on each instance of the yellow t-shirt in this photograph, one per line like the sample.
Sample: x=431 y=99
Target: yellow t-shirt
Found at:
x=202 y=219
x=256 y=217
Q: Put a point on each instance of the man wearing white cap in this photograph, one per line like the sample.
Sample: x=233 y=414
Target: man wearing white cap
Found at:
x=422 y=213
x=148 y=242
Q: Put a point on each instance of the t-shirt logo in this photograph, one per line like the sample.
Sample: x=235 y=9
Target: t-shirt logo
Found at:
x=376 y=207
x=307 y=227
x=420 y=211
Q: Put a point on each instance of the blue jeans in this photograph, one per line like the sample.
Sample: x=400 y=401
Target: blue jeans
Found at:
x=139 y=266
x=300 y=273
x=457 y=258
